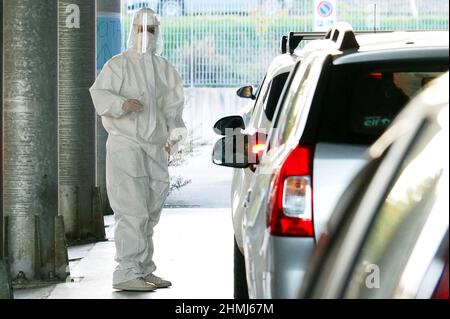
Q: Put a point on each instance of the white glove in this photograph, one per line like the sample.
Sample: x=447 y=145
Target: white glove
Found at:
x=177 y=135
x=171 y=149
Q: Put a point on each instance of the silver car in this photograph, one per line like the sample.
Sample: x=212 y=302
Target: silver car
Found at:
x=388 y=237
x=339 y=99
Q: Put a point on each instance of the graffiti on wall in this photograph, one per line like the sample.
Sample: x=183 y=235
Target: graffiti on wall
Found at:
x=109 y=39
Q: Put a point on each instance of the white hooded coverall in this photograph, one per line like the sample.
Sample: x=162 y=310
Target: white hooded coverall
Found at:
x=137 y=162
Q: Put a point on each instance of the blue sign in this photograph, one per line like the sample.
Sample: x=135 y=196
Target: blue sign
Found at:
x=109 y=39
x=325 y=9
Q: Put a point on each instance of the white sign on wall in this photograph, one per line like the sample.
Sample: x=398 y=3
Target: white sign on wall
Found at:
x=324 y=14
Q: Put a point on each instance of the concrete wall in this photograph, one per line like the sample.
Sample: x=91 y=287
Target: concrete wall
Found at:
x=204 y=106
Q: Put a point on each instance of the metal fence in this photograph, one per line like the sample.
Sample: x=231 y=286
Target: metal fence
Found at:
x=227 y=43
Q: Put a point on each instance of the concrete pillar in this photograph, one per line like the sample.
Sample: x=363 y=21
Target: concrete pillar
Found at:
x=5 y=281
x=1 y=132
x=76 y=122
x=109 y=44
x=34 y=232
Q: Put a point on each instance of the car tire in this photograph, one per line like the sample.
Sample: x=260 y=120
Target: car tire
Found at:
x=240 y=278
x=171 y=8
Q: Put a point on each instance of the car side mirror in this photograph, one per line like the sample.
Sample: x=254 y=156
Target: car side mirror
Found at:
x=246 y=92
x=239 y=150
x=228 y=125
x=231 y=151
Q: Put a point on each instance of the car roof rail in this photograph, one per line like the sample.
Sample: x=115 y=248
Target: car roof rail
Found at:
x=345 y=42
x=284 y=44
x=343 y=35
x=295 y=38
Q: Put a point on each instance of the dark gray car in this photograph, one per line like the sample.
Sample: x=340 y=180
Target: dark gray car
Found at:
x=388 y=237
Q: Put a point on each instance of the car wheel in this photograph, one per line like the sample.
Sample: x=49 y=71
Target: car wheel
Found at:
x=240 y=279
x=171 y=8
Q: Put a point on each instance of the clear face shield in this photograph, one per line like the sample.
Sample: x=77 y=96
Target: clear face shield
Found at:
x=145 y=35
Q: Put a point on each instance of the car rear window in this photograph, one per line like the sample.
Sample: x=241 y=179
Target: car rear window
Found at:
x=358 y=102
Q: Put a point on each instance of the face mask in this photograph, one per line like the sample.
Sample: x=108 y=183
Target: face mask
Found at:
x=148 y=40
x=144 y=33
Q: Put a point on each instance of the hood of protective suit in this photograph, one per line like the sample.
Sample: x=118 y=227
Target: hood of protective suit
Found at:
x=145 y=32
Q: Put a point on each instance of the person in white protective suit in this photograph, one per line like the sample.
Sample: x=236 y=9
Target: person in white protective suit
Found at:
x=139 y=96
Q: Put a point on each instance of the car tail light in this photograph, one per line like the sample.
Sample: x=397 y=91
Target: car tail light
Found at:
x=291 y=201
x=376 y=75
